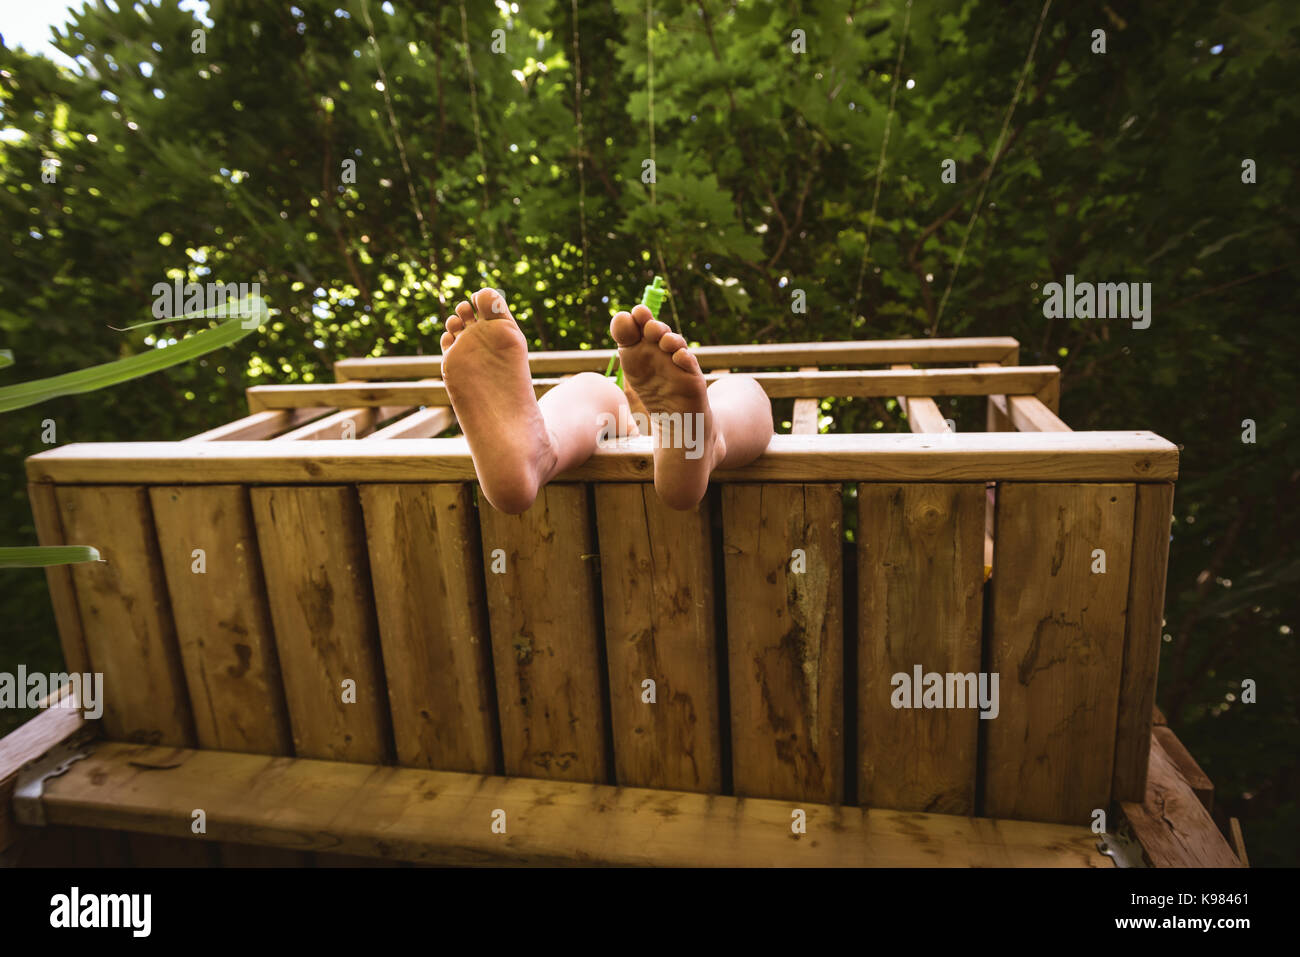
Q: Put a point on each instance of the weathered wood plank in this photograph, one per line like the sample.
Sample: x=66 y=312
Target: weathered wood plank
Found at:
x=1057 y=644
x=869 y=352
x=223 y=623
x=785 y=640
x=259 y=425
x=445 y=817
x=343 y=424
x=63 y=595
x=920 y=605
x=313 y=551
x=423 y=542
x=420 y=424
x=1149 y=564
x=59 y=721
x=1196 y=778
x=126 y=615
x=1018 y=380
x=657 y=583
x=962 y=456
x=1170 y=823
x=541 y=599
x=807 y=412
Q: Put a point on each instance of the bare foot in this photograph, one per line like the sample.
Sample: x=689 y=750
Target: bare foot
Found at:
x=667 y=378
x=485 y=368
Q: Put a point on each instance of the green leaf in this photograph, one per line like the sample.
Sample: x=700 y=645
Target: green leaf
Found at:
x=6 y=358
x=40 y=556
x=123 y=370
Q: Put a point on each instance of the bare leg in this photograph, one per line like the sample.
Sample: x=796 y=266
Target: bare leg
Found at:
x=696 y=429
x=518 y=443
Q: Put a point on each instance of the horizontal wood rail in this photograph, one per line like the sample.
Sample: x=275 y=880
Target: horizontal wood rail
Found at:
x=1000 y=349
x=1010 y=380
x=996 y=456
x=446 y=818
x=259 y=425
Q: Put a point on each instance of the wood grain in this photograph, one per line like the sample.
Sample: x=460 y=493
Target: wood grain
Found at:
x=423 y=543
x=545 y=637
x=657 y=587
x=920 y=602
x=126 y=615
x=1153 y=513
x=996 y=349
x=1171 y=824
x=223 y=624
x=313 y=551
x=954 y=457
x=1057 y=644
x=443 y=817
x=785 y=640
x=63 y=594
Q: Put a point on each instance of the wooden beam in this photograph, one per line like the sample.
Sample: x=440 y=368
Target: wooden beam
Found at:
x=28 y=742
x=922 y=412
x=952 y=457
x=1027 y=413
x=997 y=349
x=1012 y=380
x=1196 y=779
x=58 y=578
x=447 y=817
x=806 y=412
x=1238 y=841
x=344 y=424
x=420 y=424
x=1171 y=824
x=259 y=425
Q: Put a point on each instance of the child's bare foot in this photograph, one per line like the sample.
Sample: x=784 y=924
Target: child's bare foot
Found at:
x=667 y=378
x=485 y=368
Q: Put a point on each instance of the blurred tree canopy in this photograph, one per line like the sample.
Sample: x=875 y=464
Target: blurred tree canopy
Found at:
x=222 y=155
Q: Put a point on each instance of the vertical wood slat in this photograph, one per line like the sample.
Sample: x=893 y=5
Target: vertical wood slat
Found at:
x=996 y=418
x=1146 y=602
x=920 y=603
x=657 y=584
x=223 y=623
x=313 y=551
x=1057 y=643
x=785 y=640
x=806 y=415
x=545 y=639
x=126 y=615
x=423 y=542
x=63 y=596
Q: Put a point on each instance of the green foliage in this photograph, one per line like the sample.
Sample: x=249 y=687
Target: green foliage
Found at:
x=1123 y=166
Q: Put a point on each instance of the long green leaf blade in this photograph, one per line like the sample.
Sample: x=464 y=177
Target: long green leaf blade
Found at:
x=42 y=556
x=6 y=358
x=132 y=367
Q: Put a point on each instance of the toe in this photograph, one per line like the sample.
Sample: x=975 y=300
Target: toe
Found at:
x=490 y=304
x=671 y=342
x=447 y=340
x=455 y=324
x=642 y=314
x=625 y=330
x=466 y=312
x=655 y=330
x=683 y=359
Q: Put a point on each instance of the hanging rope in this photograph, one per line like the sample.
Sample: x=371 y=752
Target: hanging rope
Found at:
x=406 y=167
x=979 y=203
x=654 y=166
x=478 y=129
x=582 y=182
x=880 y=167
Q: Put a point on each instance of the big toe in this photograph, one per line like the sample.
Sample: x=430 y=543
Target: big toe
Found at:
x=625 y=330
x=490 y=304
